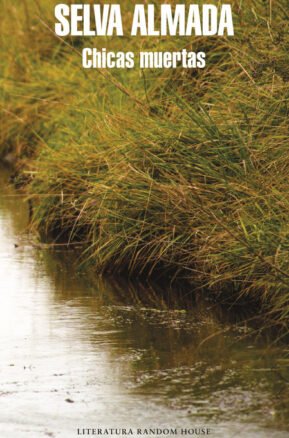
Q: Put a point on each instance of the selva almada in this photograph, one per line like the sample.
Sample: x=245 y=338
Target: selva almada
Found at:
x=147 y=20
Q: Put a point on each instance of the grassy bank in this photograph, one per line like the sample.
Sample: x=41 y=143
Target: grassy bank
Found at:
x=173 y=171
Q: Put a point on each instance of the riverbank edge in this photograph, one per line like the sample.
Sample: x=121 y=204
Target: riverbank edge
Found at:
x=153 y=177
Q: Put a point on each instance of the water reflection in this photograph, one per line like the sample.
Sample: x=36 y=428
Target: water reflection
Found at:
x=78 y=352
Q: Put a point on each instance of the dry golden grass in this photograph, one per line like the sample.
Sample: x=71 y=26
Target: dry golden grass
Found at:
x=180 y=172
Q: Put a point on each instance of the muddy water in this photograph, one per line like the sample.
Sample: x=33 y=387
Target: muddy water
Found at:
x=77 y=354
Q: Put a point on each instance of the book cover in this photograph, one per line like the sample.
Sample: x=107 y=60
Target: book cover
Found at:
x=144 y=204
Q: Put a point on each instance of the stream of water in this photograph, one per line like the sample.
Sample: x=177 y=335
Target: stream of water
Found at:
x=79 y=354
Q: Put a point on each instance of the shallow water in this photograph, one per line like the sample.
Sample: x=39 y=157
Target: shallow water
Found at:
x=82 y=354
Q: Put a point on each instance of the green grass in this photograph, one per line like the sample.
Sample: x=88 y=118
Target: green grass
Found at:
x=179 y=172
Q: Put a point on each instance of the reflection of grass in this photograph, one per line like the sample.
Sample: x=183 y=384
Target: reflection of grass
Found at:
x=193 y=181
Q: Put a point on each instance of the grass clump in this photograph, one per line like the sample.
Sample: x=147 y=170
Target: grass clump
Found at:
x=179 y=172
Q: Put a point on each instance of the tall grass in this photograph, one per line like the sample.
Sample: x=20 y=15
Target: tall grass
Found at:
x=178 y=172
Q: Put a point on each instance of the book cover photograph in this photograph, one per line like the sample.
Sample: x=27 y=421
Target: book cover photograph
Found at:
x=144 y=219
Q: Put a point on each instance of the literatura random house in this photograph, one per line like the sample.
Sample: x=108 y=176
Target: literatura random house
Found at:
x=197 y=431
